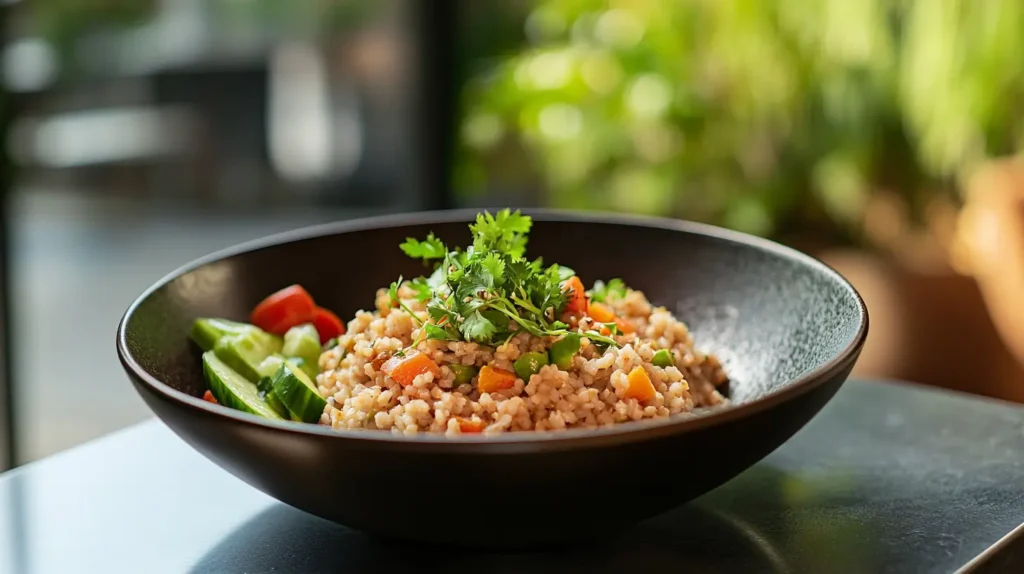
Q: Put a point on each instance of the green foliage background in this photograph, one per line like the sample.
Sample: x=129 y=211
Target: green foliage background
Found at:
x=763 y=116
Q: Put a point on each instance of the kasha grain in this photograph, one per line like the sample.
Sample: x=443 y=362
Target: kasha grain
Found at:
x=588 y=395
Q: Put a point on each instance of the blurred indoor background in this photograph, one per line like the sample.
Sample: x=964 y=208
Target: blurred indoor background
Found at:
x=140 y=134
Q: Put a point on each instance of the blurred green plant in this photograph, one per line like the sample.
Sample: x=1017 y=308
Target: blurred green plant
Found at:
x=767 y=117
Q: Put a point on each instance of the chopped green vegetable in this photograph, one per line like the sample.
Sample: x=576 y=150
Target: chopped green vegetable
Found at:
x=311 y=369
x=563 y=350
x=265 y=386
x=298 y=393
x=602 y=291
x=302 y=341
x=269 y=366
x=330 y=344
x=244 y=352
x=463 y=373
x=232 y=389
x=663 y=358
x=528 y=364
x=207 y=332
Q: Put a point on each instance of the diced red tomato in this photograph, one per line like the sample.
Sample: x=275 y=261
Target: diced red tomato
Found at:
x=283 y=310
x=208 y=397
x=327 y=324
x=577 y=304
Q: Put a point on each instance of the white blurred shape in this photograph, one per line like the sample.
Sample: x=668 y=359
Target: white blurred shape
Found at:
x=100 y=136
x=300 y=120
x=29 y=64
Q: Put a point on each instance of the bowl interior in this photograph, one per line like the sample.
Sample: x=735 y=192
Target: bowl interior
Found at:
x=772 y=315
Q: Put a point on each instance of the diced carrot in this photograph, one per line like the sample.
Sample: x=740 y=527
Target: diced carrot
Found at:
x=600 y=312
x=640 y=386
x=208 y=397
x=470 y=425
x=605 y=331
x=406 y=368
x=624 y=326
x=492 y=379
x=577 y=304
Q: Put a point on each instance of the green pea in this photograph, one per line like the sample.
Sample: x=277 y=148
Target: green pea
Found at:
x=663 y=358
x=528 y=364
x=463 y=373
x=564 y=349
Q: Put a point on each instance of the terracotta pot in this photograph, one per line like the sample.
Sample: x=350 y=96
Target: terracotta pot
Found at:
x=928 y=327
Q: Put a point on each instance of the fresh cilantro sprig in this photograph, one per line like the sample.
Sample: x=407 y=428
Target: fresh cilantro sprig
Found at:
x=602 y=291
x=427 y=250
x=489 y=291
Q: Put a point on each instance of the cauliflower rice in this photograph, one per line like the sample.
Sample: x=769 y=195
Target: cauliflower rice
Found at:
x=590 y=394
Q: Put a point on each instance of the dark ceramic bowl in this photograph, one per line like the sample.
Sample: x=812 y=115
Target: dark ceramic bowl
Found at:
x=788 y=329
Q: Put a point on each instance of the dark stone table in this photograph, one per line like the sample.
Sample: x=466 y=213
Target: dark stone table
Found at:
x=888 y=478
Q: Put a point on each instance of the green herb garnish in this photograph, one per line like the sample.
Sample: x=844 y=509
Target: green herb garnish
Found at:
x=602 y=291
x=489 y=291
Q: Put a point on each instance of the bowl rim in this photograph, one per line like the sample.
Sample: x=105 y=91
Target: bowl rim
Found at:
x=568 y=439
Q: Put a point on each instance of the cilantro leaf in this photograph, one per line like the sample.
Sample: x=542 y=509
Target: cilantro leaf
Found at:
x=601 y=291
x=393 y=291
x=504 y=232
x=423 y=291
x=478 y=328
x=429 y=248
x=437 y=333
x=493 y=265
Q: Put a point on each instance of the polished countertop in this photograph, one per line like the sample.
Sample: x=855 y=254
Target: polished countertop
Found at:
x=887 y=478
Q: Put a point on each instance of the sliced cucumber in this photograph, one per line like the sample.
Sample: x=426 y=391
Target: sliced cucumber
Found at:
x=207 y=332
x=310 y=369
x=246 y=351
x=232 y=389
x=302 y=341
x=268 y=367
x=298 y=393
x=265 y=386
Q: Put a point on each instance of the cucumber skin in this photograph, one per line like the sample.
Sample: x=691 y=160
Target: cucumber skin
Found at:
x=304 y=403
x=222 y=394
x=266 y=389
